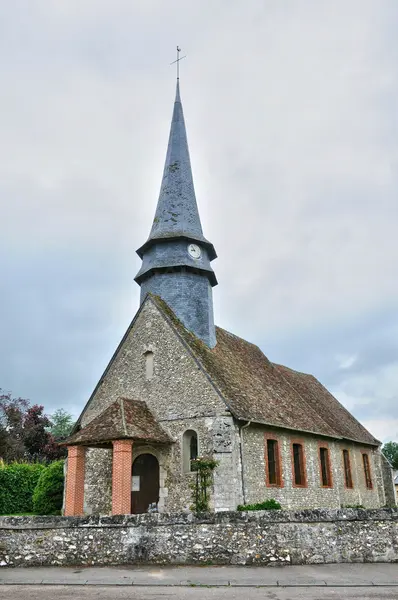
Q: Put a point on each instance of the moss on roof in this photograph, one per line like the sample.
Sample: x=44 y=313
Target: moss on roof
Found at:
x=124 y=419
x=254 y=389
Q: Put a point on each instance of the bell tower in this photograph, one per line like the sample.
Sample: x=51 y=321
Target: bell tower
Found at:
x=176 y=257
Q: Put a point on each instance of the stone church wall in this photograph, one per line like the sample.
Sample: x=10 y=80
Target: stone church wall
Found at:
x=217 y=437
x=312 y=496
x=269 y=537
x=181 y=398
x=178 y=388
x=388 y=481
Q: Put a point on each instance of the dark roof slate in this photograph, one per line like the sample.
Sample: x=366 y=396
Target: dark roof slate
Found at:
x=255 y=389
x=124 y=419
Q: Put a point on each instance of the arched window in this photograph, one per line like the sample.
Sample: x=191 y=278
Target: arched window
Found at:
x=190 y=449
x=148 y=365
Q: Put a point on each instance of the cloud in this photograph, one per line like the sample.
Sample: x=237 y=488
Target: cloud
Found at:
x=345 y=361
x=291 y=115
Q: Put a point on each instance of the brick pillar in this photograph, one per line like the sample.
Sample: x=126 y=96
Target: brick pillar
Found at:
x=121 y=477
x=74 y=498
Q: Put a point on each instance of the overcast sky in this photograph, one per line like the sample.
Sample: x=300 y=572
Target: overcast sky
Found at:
x=291 y=111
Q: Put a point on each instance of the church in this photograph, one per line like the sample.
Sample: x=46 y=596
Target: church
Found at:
x=178 y=387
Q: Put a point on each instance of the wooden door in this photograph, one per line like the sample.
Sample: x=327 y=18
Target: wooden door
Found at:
x=145 y=483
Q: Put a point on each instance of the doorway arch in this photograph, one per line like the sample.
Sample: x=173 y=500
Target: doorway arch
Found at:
x=145 y=483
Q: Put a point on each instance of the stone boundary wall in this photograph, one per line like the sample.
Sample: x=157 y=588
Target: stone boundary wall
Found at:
x=266 y=537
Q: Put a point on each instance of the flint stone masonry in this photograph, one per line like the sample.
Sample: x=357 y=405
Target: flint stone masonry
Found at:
x=314 y=495
x=182 y=397
x=264 y=538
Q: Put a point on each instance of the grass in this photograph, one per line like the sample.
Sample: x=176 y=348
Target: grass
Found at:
x=27 y=514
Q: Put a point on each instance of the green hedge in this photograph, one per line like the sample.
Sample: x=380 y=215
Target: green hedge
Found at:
x=270 y=504
x=17 y=484
x=49 y=491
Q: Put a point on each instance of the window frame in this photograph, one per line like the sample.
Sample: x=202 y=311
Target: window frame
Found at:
x=368 y=476
x=347 y=487
x=278 y=461
x=186 y=449
x=325 y=445
x=303 y=465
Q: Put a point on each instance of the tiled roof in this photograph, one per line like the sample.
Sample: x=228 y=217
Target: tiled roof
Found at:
x=325 y=404
x=256 y=390
x=124 y=419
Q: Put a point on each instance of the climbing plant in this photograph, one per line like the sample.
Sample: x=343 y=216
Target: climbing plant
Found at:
x=204 y=467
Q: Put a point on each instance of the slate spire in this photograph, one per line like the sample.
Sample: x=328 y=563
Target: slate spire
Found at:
x=176 y=256
x=177 y=212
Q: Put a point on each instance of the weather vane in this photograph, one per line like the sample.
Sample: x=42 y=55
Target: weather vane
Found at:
x=178 y=61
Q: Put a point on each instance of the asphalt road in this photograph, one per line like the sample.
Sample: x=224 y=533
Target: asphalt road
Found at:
x=49 y=592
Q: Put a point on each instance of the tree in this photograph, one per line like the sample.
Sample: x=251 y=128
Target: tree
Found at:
x=390 y=451
x=62 y=424
x=24 y=431
x=35 y=435
x=12 y=412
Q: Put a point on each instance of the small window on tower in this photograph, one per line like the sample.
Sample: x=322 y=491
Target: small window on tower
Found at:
x=189 y=449
x=148 y=365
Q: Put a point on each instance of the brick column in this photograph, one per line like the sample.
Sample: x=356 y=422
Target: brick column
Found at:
x=121 y=477
x=74 y=498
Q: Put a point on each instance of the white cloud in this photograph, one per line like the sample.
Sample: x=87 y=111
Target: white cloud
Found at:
x=345 y=361
x=385 y=430
x=372 y=395
x=291 y=115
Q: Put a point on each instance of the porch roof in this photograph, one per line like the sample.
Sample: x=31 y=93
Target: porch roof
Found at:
x=124 y=419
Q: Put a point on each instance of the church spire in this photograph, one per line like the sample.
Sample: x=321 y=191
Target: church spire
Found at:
x=177 y=212
x=176 y=256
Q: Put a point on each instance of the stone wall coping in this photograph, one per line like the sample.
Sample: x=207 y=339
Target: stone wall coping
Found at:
x=220 y=518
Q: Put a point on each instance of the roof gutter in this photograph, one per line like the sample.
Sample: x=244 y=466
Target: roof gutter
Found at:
x=242 y=460
x=376 y=443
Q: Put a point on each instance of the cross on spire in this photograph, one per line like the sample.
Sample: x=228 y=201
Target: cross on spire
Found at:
x=178 y=61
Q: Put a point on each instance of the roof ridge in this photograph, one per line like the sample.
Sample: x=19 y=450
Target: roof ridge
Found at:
x=346 y=411
x=293 y=370
x=305 y=401
x=239 y=337
x=344 y=408
x=76 y=426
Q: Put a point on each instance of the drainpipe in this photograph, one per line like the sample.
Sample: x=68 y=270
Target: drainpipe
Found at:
x=242 y=460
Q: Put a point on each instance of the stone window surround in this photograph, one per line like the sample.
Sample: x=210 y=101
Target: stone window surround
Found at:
x=280 y=481
x=352 y=486
x=303 y=466
x=328 y=465
x=371 y=486
x=149 y=356
x=185 y=449
x=149 y=365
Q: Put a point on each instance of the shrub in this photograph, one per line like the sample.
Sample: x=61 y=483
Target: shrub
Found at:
x=204 y=467
x=17 y=484
x=49 y=491
x=266 y=505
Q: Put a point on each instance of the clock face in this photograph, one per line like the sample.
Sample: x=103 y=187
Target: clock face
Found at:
x=194 y=251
